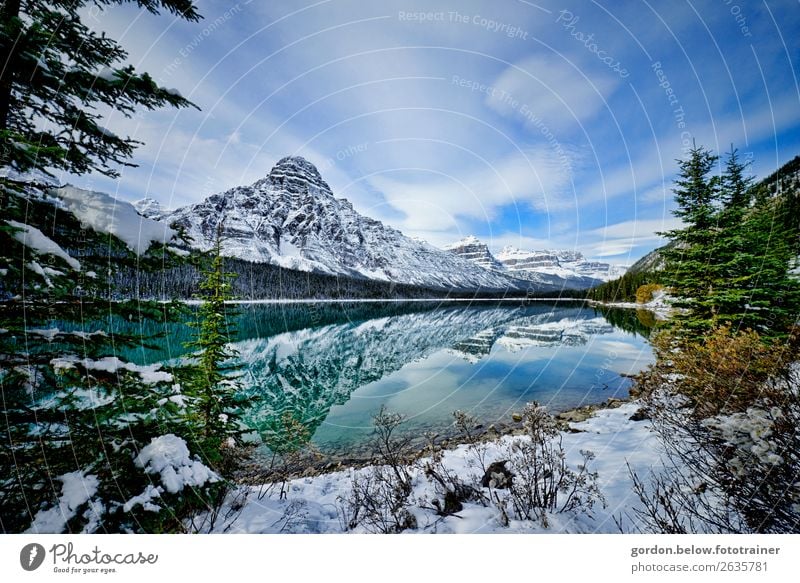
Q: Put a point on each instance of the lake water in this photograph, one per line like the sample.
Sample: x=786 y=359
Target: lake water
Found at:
x=326 y=369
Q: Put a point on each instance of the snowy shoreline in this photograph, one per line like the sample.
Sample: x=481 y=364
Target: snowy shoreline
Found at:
x=315 y=465
x=312 y=503
x=389 y=300
x=660 y=309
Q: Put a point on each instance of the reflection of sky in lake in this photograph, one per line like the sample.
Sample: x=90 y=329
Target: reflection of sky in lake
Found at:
x=486 y=361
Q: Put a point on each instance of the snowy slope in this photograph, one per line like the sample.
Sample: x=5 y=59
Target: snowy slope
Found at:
x=562 y=263
x=291 y=218
x=106 y=214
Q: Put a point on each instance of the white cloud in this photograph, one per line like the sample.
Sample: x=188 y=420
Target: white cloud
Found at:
x=627 y=236
x=434 y=200
x=550 y=88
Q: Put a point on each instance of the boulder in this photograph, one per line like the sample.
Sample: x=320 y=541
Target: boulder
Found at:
x=497 y=476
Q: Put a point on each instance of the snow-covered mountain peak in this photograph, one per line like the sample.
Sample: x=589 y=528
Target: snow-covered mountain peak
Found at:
x=291 y=219
x=149 y=207
x=468 y=240
x=475 y=250
x=297 y=175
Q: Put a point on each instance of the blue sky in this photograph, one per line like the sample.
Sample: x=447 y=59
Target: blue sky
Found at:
x=533 y=124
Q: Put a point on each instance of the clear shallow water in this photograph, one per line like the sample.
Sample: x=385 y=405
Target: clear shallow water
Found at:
x=332 y=375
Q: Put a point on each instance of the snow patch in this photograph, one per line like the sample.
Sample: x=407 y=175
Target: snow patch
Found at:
x=42 y=244
x=150 y=374
x=145 y=499
x=168 y=456
x=106 y=214
x=76 y=490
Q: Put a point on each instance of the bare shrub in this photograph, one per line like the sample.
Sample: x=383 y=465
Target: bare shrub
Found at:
x=453 y=491
x=543 y=483
x=227 y=505
x=727 y=473
x=295 y=515
x=726 y=371
x=380 y=496
x=466 y=423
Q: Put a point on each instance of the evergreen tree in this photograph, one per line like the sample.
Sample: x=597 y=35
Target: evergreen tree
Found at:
x=731 y=265
x=772 y=291
x=73 y=408
x=731 y=254
x=55 y=74
x=76 y=415
x=211 y=380
x=691 y=270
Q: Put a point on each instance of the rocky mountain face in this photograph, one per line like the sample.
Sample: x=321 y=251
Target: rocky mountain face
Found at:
x=150 y=208
x=559 y=268
x=291 y=219
x=474 y=250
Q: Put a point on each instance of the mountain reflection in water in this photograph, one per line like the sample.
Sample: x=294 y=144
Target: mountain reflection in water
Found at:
x=335 y=365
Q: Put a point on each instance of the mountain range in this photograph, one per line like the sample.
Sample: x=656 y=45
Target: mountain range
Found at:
x=289 y=225
x=560 y=268
x=291 y=219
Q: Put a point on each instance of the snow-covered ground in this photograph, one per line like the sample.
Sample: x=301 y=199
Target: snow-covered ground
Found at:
x=660 y=305
x=312 y=504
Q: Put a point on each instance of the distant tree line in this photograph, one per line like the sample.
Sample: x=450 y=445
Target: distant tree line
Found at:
x=260 y=281
x=623 y=289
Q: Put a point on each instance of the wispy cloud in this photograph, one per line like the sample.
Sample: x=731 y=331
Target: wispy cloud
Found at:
x=550 y=90
x=444 y=127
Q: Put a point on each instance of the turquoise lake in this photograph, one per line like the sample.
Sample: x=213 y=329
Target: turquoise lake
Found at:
x=329 y=367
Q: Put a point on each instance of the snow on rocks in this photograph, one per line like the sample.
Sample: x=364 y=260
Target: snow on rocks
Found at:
x=106 y=214
x=77 y=489
x=749 y=432
x=168 y=456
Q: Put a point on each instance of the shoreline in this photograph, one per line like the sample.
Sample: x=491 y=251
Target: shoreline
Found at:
x=255 y=472
x=389 y=300
x=621 y=438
